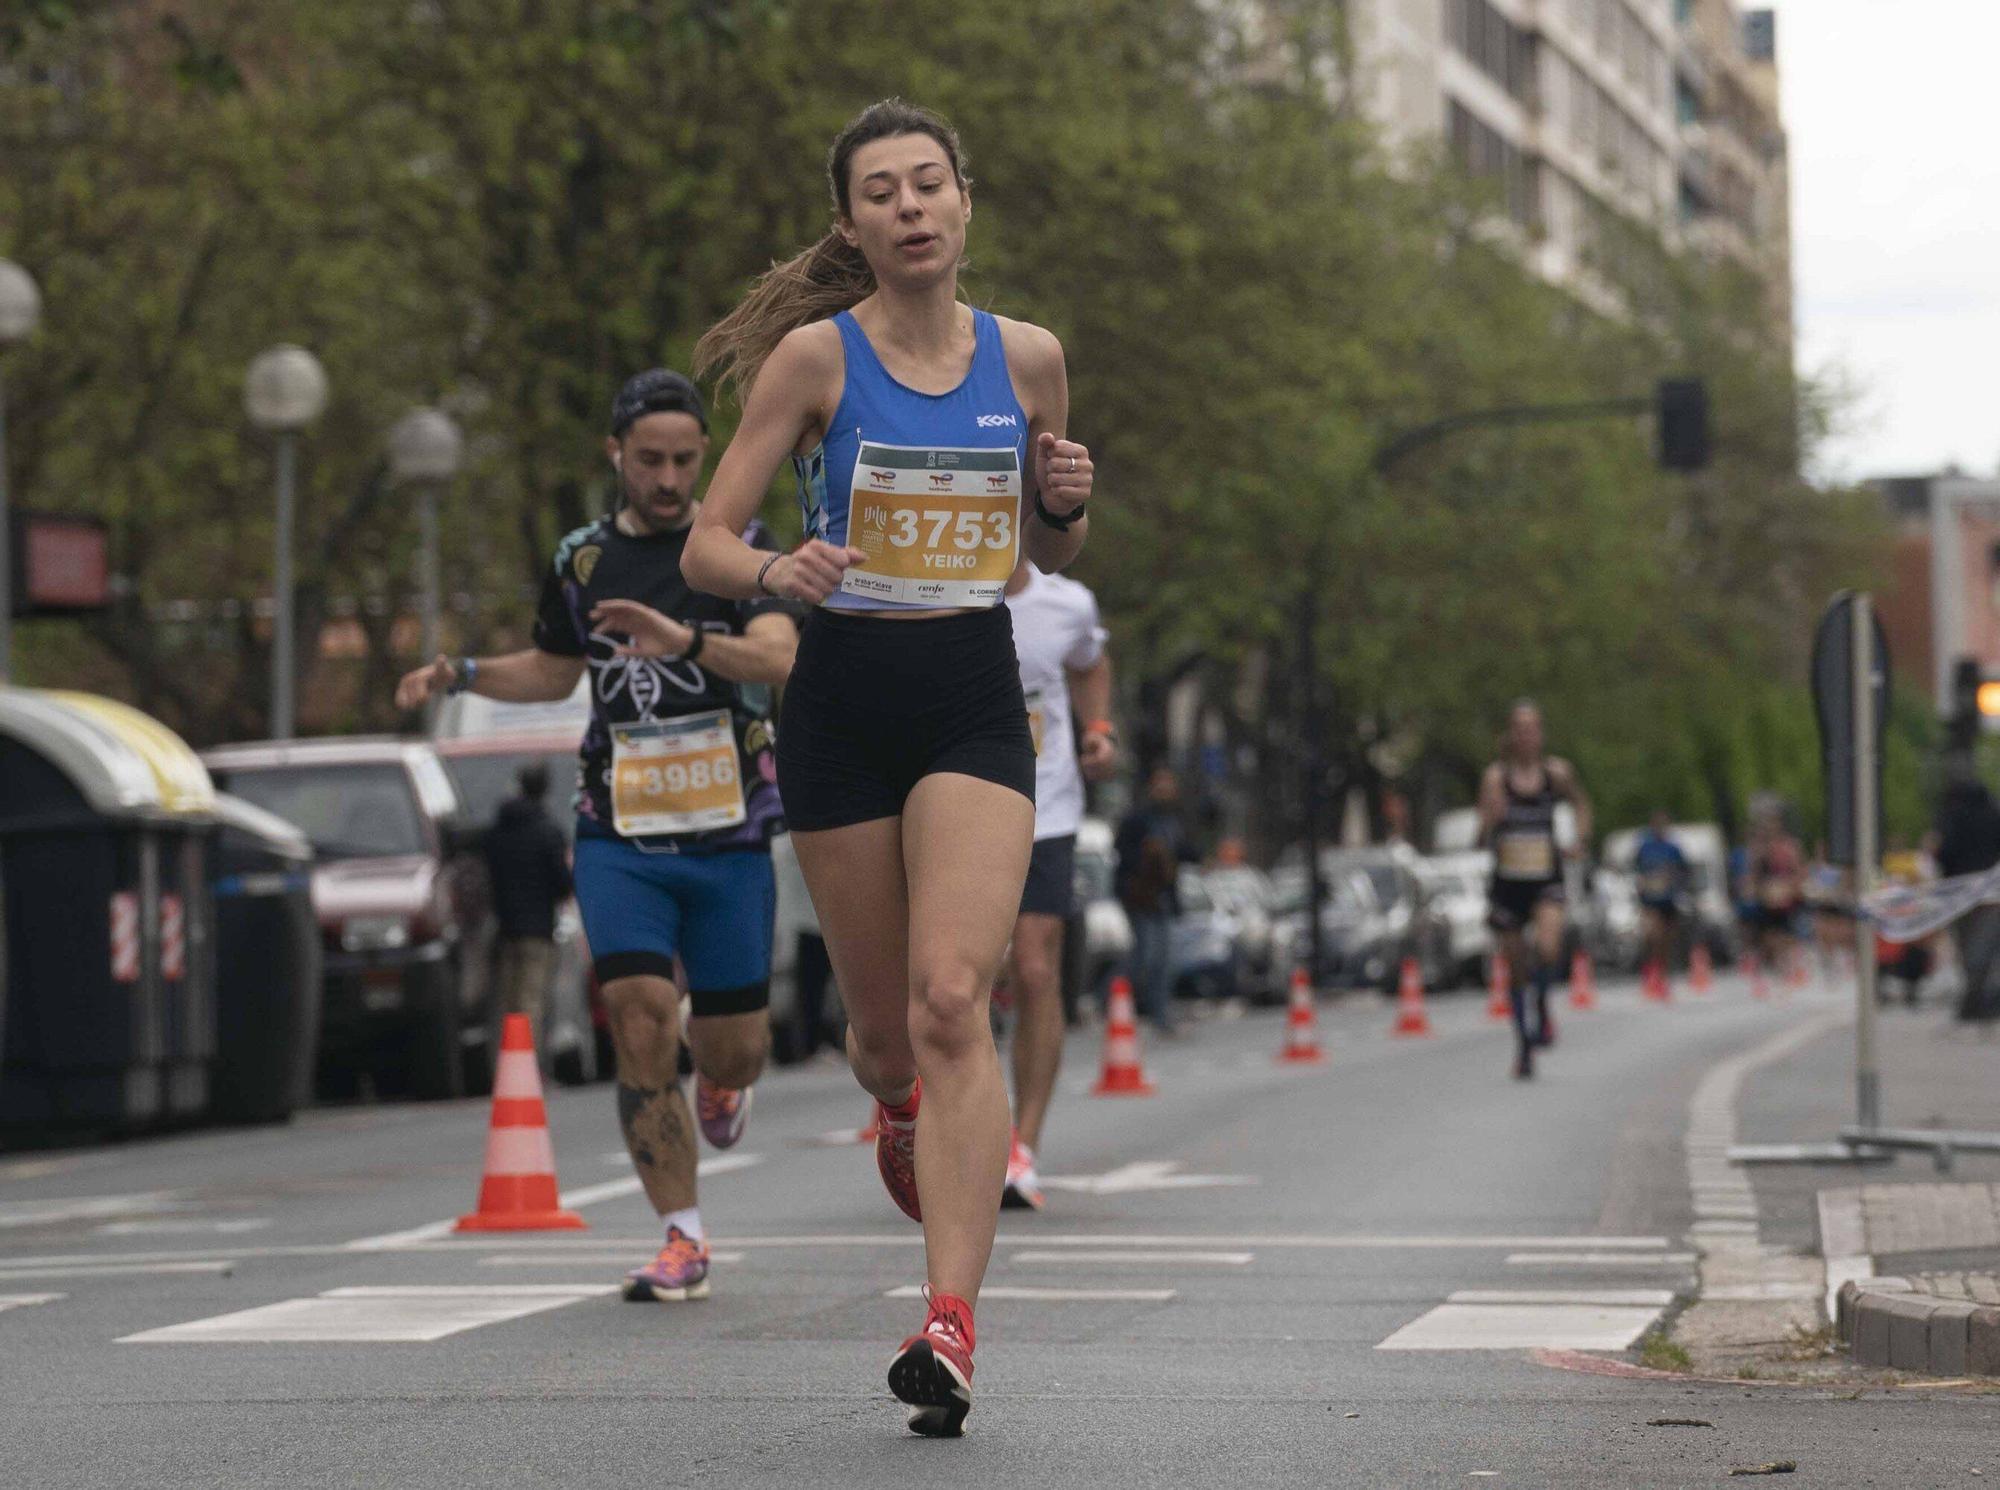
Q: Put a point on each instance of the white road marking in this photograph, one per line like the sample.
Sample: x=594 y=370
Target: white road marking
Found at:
x=88 y=1208
x=1523 y=1327
x=1600 y=1259
x=10 y=1271
x=430 y=1231
x=1065 y=1254
x=405 y=1314
x=235 y=1227
x=1634 y=1298
x=627 y=1256
x=1146 y=1174
x=23 y=1300
x=1843 y=1242
x=1055 y=1295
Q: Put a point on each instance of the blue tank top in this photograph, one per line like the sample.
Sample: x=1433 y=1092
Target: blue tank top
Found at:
x=929 y=486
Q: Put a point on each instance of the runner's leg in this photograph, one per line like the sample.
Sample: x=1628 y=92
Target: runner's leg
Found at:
x=1035 y=969
x=1548 y=939
x=855 y=875
x=652 y=1113
x=966 y=842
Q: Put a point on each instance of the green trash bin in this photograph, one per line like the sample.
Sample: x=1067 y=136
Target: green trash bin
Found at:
x=267 y=965
x=106 y=823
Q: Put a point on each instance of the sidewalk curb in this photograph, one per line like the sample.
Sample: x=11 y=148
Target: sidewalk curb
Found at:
x=1883 y=1322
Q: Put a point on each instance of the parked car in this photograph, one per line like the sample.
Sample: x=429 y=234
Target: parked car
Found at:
x=1457 y=886
x=400 y=898
x=1099 y=936
x=1245 y=893
x=1710 y=915
x=1203 y=959
x=574 y=1037
x=1403 y=923
x=1344 y=915
x=1618 y=939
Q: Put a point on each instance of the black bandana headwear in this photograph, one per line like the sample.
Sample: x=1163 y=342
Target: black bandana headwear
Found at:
x=659 y=390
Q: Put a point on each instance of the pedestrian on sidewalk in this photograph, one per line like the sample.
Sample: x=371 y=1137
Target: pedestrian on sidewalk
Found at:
x=527 y=860
x=1968 y=824
x=1152 y=844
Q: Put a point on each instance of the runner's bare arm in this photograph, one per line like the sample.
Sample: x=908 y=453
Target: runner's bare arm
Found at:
x=1059 y=468
x=530 y=676
x=1090 y=698
x=1571 y=786
x=1492 y=804
x=763 y=654
x=786 y=408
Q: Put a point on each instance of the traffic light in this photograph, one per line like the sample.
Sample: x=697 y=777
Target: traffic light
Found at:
x=1682 y=404
x=1975 y=703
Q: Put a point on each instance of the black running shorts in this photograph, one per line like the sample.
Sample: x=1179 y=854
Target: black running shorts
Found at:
x=1051 y=887
x=874 y=706
x=1511 y=903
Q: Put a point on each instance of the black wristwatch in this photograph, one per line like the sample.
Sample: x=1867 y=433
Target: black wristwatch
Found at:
x=464 y=673
x=695 y=646
x=1060 y=523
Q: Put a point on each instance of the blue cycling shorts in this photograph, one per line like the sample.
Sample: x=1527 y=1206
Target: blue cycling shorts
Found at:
x=713 y=911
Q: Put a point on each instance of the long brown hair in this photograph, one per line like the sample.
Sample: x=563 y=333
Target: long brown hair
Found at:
x=829 y=277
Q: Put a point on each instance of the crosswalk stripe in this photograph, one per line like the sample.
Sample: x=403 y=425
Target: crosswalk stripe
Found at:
x=1600 y=1259
x=410 y=1314
x=1064 y=1254
x=1523 y=1327
x=1054 y=1295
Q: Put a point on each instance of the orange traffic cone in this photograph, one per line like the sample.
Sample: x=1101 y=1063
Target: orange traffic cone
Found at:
x=1301 y=1025
x=1701 y=969
x=1411 y=1016
x=1122 y=1075
x=1655 y=985
x=518 y=1190
x=1499 y=1004
x=1582 y=982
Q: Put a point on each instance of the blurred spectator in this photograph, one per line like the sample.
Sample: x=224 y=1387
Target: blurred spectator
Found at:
x=1969 y=843
x=1152 y=845
x=528 y=860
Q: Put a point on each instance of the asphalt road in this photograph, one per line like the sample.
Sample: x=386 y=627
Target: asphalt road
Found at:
x=1207 y=1300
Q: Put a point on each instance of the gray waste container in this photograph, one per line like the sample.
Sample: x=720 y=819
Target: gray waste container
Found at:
x=267 y=965
x=106 y=819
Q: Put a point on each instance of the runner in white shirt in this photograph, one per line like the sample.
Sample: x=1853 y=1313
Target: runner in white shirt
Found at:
x=1061 y=649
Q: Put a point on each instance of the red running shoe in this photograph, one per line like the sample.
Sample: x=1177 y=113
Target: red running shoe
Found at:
x=896 y=1154
x=1023 y=1190
x=933 y=1370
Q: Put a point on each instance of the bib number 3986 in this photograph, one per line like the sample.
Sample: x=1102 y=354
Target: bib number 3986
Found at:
x=675 y=776
x=939 y=526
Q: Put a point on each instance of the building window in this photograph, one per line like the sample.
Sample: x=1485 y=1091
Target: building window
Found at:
x=1482 y=152
x=1493 y=44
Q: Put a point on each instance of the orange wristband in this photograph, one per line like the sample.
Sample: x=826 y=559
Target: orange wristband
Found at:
x=1100 y=727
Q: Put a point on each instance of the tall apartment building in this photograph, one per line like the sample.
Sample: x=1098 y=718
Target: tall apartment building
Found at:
x=1592 y=114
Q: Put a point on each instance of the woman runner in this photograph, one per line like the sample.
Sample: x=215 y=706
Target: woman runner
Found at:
x=928 y=442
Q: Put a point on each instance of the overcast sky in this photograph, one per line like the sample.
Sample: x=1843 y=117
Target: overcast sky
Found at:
x=1896 y=223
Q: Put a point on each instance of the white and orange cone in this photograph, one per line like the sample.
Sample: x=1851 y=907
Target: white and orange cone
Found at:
x=518 y=1189
x=1122 y=1075
x=1412 y=1018
x=1301 y=1025
x=1701 y=969
x=1582 y=982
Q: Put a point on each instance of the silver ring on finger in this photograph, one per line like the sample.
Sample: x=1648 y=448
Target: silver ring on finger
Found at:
x=1072 y=465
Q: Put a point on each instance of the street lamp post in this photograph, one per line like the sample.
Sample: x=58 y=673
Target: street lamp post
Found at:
x=425 y=448
x=20 y=313
x=284 y=391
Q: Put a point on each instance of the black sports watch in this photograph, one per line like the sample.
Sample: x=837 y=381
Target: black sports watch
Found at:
x=1061 y=523
x=464 y=673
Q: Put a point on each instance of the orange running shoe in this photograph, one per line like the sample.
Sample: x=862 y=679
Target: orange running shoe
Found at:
x=680 y=1272
x=933 y=1370
x=722 y=1111
x=896 y=1154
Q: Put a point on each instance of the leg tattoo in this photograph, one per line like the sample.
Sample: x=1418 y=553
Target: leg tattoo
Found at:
x=659 y=1135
